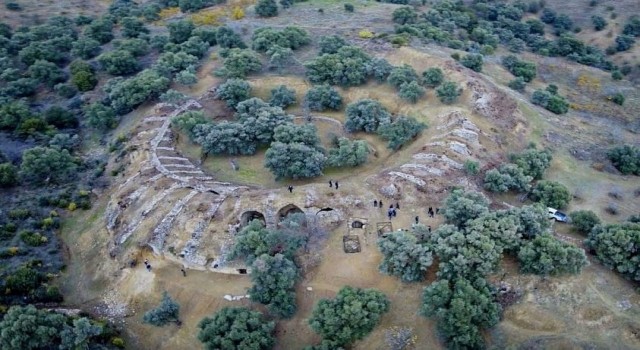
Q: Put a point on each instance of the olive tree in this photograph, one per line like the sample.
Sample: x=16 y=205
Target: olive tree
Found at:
x=236 y=328
x=552 y=194
x=462 y=206
x=274 y=278
x=167 y=311
x=448 y=92
x=546 y=255
x=350 y=316
x=322 y=97
x=366 y=115
x=41 y=165
x=233 y=91
x=617 y=247
x=348 y=153
x=402 y=131
x=238 y=63
x=294 y=160
x=282 y=96
x=404 y=257
x=432 y=77
x=583 y=221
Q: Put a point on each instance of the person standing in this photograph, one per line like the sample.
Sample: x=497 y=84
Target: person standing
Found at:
x=417 y=219
x=330 y=183
x=375 y=203
x=336 y=185
x=290 y=189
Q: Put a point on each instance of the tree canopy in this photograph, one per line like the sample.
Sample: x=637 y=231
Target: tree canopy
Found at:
x=404 y=257
x=366 y=115
x=236 y=328
x=350 y=316
x=167 y=311
x=461 y=206
x=546 y=255
x=274 y=278
x=617 y=246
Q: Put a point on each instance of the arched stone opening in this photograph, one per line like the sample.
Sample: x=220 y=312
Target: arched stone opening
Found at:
x=357 y=224
x=288 y=210
x=251 y=215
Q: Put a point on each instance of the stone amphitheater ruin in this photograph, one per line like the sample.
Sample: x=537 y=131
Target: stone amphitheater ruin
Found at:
x=168 y=204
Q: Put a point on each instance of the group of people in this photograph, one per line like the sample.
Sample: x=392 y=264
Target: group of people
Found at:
x=331 y=183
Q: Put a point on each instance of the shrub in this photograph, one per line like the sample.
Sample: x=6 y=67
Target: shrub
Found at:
x=404 y=257
x=626 y=159
x=266 y=8
x=132 y=27
x=137 y=47
x=17 y=329
x=348 y=7
x=83 y=76
x=533 y=162
x=365 y=34
x=432 y=77
x=448 y=92
x=236 y=328
x=472 y=61
x=551 y=194
x=411 y=92
x=507 y=177
x=366 y=307
x=551 y=102
x=65 y=90
x=164 y=313
x=274 y=279
x=471 y=167
x=323 y=97
x=233 y=91
x=8 y=175
x=366 y=115
x=348 y=153
x=22 y=281
x=616 y=246
x=524 y=69
x=624 y=42
x=617 y=98
x=584 y=220
x=517 y=84
x=33 y=239
x=127 y=94
x=379 y=68
x=47 y=73
x=402 y=75
x=282 y=97
x=60 y=117
x=599 y=23
x=100 y=29
x=401 y=131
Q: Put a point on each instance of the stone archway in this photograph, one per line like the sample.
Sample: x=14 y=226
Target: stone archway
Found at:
x=251 y=215
x=288 y=210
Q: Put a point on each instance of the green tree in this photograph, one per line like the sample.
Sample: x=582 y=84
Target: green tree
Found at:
x=8 y=175
x=352 y=315
x=280 y=57
x=132 y=27
x=227 y=38
x=208 y=34
x=306 y=134
x=194 y=46
x=100 y=29
x=136 y=46
x=47 y=73
x=233 y=91
x=236 y=328
x=448 y=92
x=266 y=8
x=506 y=178
x=348 y=153
x=282 y=97
x=404 y=15
x=79 y=336
x=170 y=63
x=42 y=165
x=274 y=279
x=467 y=254
x=100 y=116
x=240 y=62
x=330 y=44
x=583 y=221
x=533 y=162
x=461 y=206
x=599 y=23
x=432 y=77
x=167 y=311
x=552 y=194
x=173 y=97
x=29 y=328
x=294 y=160
x=83 y=75
x=255 y=240
x=379 y=68
x=503 y=227
x=524 y=69
x=186 y=77
x=463 y=308
x=187 y=122
x=323 y=97
x=626 y=159
x=180 y=31
x=532 y=220
x=617 y=246
x=126 y=94
x=617 y=98
x=60 y=117
x=366 y=115
x=546 y=255
x=411 y=92
x=404 y=257
x=517 y=84
x=86 y=48
x=402 y=75
x=225 y=138
x=349 y=66
x=118 y=62
x=290 y=37
x=472 y=61
x=261 y=125
x=402 y=131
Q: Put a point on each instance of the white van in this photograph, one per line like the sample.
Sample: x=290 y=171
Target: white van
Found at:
x=557 y=215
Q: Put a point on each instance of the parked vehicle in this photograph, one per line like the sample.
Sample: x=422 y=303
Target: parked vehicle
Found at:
x=557 y=215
